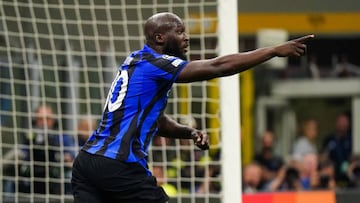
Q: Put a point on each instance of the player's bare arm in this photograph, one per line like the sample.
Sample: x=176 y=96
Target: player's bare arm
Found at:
x=170 y=128
x=235 y=63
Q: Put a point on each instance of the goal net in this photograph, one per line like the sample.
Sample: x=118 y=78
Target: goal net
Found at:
x=63 y=54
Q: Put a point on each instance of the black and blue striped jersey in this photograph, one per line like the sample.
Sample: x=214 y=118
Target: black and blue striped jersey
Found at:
x=136 y=99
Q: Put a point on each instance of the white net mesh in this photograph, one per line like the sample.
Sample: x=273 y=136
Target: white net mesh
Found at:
x=64 y=54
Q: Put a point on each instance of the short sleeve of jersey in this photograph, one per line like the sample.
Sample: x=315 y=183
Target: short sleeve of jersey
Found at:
x=170 y=66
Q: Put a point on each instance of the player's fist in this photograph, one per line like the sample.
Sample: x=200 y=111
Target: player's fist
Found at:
x=201 y=139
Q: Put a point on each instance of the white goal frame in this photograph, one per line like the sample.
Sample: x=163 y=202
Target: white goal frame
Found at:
x=230 y=104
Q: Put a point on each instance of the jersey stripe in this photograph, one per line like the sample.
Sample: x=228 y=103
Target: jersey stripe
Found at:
x=117 y=115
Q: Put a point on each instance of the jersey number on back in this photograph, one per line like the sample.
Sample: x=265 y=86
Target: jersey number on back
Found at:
x=117 y=91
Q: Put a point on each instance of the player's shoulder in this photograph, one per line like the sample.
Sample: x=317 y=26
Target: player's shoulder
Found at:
x=175 y=61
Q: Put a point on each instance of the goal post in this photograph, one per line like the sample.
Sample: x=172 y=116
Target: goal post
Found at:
x=65 y=53
x=230 y=104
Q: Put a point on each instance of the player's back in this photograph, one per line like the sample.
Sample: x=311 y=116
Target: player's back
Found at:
x=137 y=97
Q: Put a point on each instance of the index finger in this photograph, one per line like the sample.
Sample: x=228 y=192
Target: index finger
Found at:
x=304 y=38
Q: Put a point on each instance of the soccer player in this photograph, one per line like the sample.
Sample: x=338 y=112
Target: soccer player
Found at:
x=112 y=165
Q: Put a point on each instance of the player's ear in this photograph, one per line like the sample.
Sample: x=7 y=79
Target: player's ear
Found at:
x=159 y=38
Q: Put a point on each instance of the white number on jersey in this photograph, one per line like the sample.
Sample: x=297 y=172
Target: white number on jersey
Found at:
x=118 y=89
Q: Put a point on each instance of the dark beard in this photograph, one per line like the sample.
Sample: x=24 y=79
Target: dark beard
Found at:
x=173 y=49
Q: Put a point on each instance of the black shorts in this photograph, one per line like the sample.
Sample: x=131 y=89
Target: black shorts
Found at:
x=100 y=179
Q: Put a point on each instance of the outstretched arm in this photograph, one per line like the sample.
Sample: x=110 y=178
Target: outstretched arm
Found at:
x=200 y=70
x=170 y=128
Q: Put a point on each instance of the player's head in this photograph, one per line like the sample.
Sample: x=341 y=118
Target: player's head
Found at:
x=165 y=32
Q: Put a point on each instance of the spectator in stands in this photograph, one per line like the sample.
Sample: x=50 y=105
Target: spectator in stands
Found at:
x=47 y=154
x=337 y=146
x=270 y=162
x=292 y=180
x=305 y=144
x=252 y=175
x=169 y=188
x=326 y=175
x=86 y=126
x=266 y=142
x=308 y=170
x=314 y=71
x=273 y=178
x=210 y=183
x=296 y=175
x=345 y=69
x=287 y=179
x=266 y=155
